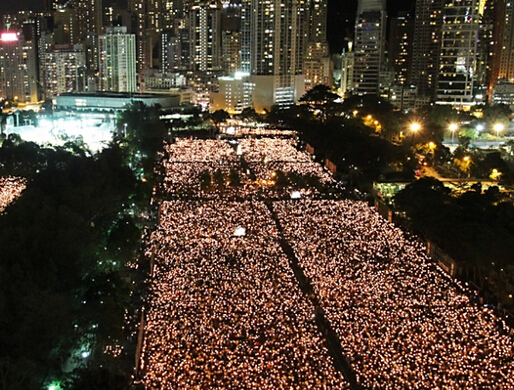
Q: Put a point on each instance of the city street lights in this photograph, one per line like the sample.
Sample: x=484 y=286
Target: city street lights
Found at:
x=415 y=127
x=453 y=127
x=498 y=127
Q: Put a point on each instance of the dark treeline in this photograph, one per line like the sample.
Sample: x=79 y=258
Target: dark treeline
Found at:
x=71 y=281
x=476 y=228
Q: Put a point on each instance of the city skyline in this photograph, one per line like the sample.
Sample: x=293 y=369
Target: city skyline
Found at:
x=341 y=15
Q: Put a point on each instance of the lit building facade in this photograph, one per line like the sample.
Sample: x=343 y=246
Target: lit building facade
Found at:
x=18 y=68
x=400 y=47
x=233 y=95
x=369 y=46
x=506 y=37
x=426 y=47
x=347 y=64
x=317 y=63
x=117 y=62
x=273 y=42
x=64 y=69
x=171 y=52
x=459 y=52
x=231 y=51
x=205 y=37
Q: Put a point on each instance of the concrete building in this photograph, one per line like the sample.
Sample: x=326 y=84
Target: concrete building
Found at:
x=205 y=36
x=231 y=51
x=426 y=47
x=66 y=30
x=274 y=37
x=171 y=50
x=117 y=61
x=64 y=69
x=459 y=52
x=234 y=94
x=317 y=63
x=369 y=46
x=347 y=65
x=401 y=31
x=110 y=101
x=18 y=68
x=503 y=92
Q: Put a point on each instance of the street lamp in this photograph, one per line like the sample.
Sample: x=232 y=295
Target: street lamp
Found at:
x=498 y=127
x=453 y=127
x=415 y=127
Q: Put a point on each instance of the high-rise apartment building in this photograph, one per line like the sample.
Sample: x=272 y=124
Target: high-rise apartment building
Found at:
x=505 y=52
x=18 y=67
x=278 y=36
x=369 y=46
x=171 y=51
x=64 y=69
x=274 y=37
x=317 y=63
x=347 y=64
x=400 y=47
x=66 y=30
x=426 y=47
x=231 y=51
x=205 y=36
x=459 y=52
x=117 y=62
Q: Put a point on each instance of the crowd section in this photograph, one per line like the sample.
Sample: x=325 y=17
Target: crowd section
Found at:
x=267 y=155
x=241 y=131
x=10 y=188
x=402 y=322
x=185 y=159
x=257 y=162
x=225 y=310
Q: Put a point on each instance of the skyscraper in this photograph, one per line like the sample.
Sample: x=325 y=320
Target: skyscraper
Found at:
x=274 y=37
x=18 y=67
x=459 y=51
x=400 y=47
x=64 y=69
x=117 y=60
x=205 y=36
x=369 y=46
x=506 y=40
x=317 y=64
x=426 y=47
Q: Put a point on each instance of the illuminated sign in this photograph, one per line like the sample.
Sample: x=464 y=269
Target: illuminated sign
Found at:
x=9 y=37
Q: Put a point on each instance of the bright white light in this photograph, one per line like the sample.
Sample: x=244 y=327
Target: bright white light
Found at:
x=9 y=37
x=296 y=195
x=240 y=75
x=231 y=130
x=480 y=127
x=239 y=151
x=240 y=232
x=85 y=354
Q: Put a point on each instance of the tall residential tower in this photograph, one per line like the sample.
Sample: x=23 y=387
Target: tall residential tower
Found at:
x=369 y=46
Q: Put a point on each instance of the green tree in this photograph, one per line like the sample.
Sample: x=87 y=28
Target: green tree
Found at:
x=143 y=134
x=219 y=116
x=318 y=97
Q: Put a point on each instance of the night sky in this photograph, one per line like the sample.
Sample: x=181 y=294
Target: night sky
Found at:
x=341 y=15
